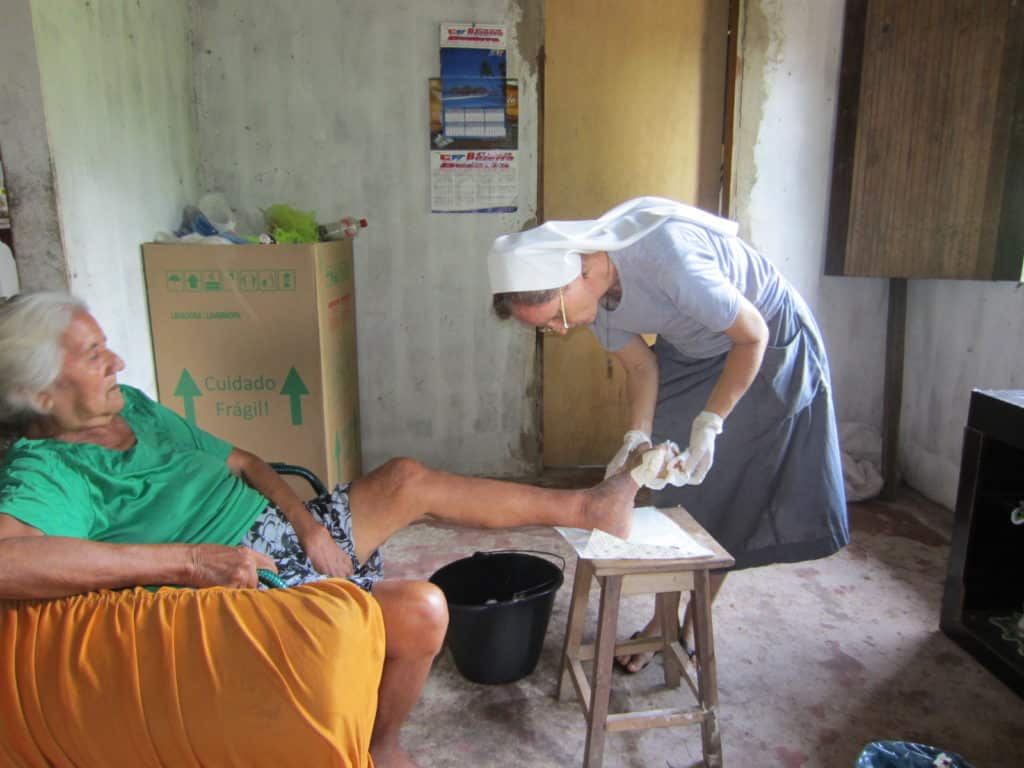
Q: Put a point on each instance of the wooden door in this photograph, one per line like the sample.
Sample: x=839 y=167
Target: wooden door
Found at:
x=634 y=97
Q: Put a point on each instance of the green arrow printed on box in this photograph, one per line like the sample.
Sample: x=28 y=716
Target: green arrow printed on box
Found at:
x=187 y=390
x=293 y=389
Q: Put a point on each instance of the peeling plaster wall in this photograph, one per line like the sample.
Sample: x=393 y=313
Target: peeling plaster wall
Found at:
x=26 y=155
x=784 y=123
x=324 y=106
x=960 y=335
x=117 y=94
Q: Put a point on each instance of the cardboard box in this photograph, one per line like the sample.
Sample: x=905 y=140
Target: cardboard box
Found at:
x=257 y=344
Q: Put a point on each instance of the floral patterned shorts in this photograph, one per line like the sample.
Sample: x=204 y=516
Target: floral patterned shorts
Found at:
x=273 y=535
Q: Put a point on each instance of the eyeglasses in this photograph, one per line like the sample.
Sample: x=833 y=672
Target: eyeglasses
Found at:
x=565 y=321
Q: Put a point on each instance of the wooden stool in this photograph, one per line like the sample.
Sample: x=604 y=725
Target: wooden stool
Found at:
x=667 y=579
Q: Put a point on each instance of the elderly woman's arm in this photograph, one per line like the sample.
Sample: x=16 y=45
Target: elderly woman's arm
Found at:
x=325 y=554
x=33 y=565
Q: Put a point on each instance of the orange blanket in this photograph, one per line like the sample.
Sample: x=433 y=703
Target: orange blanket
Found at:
x=212 y=677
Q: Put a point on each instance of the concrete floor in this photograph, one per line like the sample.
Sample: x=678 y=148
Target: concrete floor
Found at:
x=814 y=660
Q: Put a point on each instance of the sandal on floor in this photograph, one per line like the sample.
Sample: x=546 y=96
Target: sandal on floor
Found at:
x=690 y=652
x=625 y=667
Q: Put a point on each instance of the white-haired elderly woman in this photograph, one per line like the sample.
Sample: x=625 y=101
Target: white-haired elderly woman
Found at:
x=105 y=488
x=738 y=372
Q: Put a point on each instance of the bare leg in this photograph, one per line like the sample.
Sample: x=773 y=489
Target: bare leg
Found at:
x=637 y=661
x=403 y=491
x=415 y=620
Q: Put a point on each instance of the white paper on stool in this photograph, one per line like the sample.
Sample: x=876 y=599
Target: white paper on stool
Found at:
x=654 y=536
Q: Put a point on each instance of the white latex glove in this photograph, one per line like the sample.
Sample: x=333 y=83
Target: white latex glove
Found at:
x=696 y=460
x=632 y=439
x=659 y=467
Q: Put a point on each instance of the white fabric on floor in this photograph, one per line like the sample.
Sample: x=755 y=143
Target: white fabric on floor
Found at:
x=861 y=448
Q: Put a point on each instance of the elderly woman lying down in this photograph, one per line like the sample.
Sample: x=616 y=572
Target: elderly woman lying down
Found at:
x=105 y=488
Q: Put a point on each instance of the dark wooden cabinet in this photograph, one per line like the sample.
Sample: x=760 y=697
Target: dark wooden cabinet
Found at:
x=928 y=167
x=984 y=592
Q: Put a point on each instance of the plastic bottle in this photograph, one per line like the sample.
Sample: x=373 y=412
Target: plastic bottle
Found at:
x=347 y=226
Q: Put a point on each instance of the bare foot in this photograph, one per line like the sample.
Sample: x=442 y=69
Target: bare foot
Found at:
x=391 y=757
x=634 y=662
x=609 y=505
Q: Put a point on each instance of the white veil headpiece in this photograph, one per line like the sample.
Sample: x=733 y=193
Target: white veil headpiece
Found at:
x=548 y=256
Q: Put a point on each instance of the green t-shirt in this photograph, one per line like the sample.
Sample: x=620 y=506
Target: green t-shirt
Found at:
x=173 y=485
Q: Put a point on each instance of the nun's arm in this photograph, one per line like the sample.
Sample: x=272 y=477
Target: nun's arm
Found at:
x=749 y=335
x=641 y=366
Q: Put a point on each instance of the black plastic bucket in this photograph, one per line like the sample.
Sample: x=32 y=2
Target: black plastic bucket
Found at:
x=499 y=604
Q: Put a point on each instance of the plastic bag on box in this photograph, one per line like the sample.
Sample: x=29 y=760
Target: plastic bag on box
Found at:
x=907 y=754
x=290 y=225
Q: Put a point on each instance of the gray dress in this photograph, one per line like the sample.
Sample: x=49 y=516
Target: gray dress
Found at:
x=775 y=491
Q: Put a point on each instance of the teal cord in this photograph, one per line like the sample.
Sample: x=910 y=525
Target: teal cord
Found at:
x=270 y=579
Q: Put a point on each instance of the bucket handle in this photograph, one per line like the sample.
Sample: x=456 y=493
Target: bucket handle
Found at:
x=525 y=593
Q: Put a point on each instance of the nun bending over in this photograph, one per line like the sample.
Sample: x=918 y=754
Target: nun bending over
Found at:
x=738 y=376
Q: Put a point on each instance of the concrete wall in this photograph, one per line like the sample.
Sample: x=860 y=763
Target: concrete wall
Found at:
x=961 y=335
x=784 y=124
x=26 y=154
x=117 y=95
x=324 y=106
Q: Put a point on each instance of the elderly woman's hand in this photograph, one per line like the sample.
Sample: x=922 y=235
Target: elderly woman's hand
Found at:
x=216 y=565
x=323 y=551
